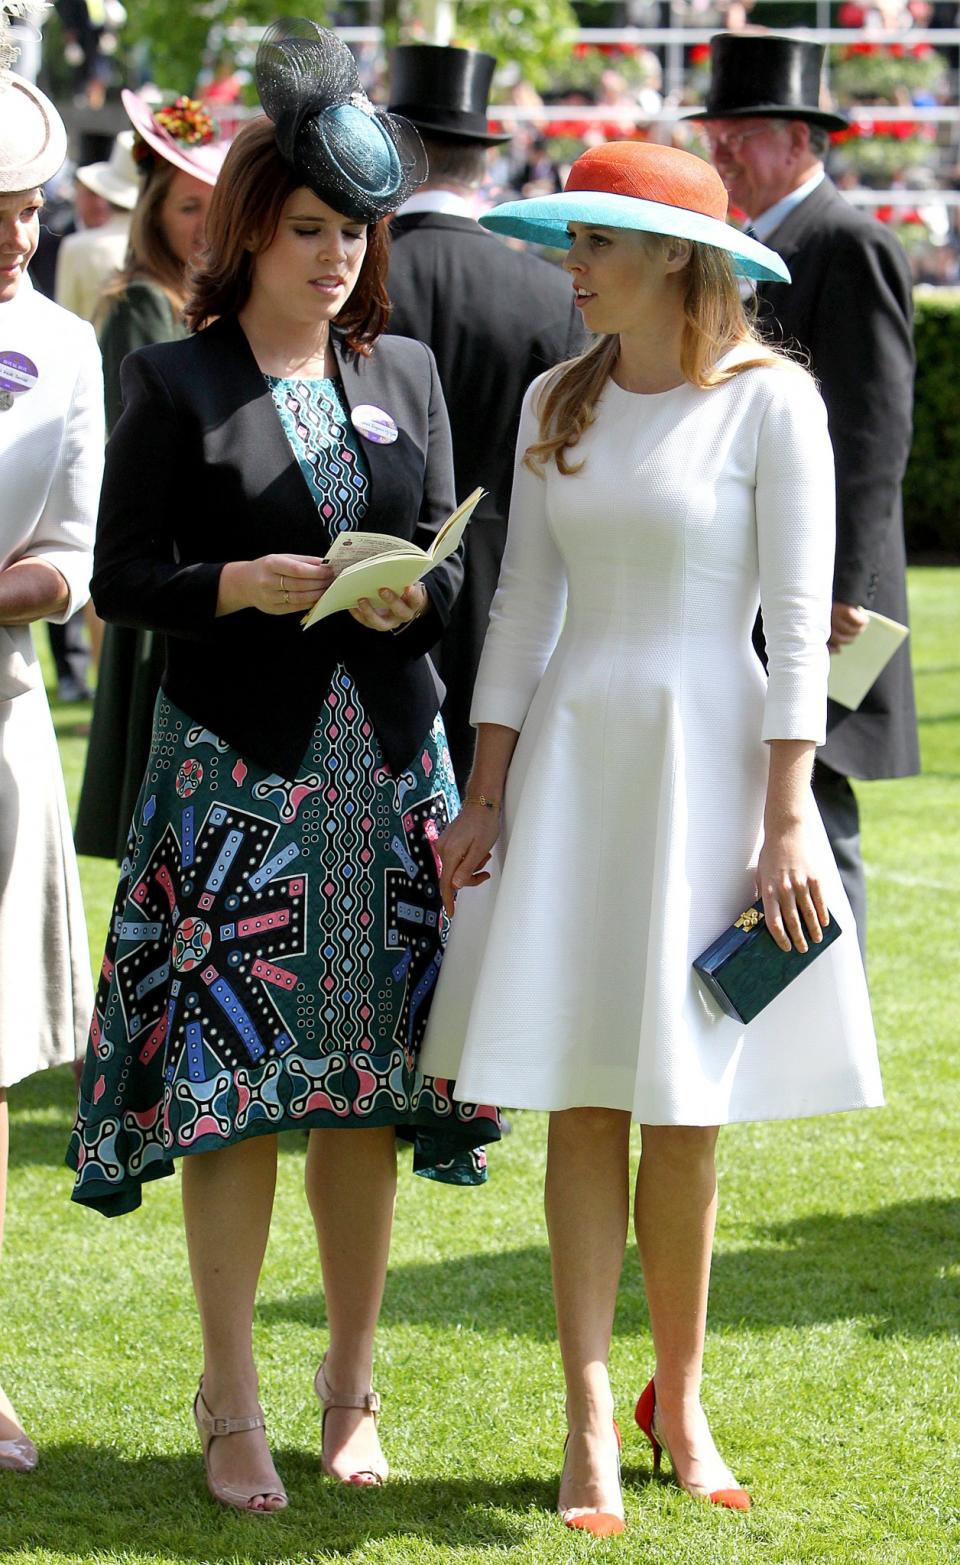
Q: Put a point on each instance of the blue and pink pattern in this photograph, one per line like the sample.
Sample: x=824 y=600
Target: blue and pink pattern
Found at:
x=275 y=942
x=318 y=427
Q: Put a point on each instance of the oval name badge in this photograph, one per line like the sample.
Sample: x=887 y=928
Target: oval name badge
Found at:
x=17 y=373
x=374 y=424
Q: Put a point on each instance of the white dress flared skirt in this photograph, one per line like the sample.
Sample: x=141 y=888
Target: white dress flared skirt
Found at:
x=620 y=646
x=46 y=991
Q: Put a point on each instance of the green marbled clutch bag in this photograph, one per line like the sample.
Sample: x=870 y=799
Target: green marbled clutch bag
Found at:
x=745 y=968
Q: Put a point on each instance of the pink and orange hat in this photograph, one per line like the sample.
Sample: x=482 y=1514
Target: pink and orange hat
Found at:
x=644 y=186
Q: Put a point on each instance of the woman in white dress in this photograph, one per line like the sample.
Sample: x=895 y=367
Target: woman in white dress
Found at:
x=51 y=459
x=652 y=782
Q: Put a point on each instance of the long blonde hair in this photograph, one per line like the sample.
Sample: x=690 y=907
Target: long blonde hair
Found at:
x=714 y=323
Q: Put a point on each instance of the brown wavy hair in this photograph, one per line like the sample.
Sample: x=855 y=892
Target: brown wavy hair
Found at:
x=149 y=257
x=242 y=222
x=714 y=322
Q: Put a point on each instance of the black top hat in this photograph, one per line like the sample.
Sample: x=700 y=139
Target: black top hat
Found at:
x=443 y=91
x=766 y=75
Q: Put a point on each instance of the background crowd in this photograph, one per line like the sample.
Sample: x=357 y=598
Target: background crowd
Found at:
x=626 y=71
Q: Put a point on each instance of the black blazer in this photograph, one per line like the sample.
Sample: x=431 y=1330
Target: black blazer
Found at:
x=850 y=307
x=199 y=472
x=496 y=318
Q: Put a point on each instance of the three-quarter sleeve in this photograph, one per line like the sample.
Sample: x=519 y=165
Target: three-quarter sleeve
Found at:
x=64 y=532
x=795 y=518
x=526 y=615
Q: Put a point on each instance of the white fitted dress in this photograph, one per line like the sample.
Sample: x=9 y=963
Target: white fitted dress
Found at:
x=620 y=647
x=51 y=461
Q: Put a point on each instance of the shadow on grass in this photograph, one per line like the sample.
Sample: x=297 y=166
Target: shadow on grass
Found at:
x=86 y=1502
x=887 y=1269
x=41 y=1114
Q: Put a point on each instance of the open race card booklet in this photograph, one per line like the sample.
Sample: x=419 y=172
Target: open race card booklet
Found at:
x=856 y=666
x=365 y=562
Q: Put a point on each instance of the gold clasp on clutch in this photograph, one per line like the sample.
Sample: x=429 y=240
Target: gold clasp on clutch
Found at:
x=749 y=920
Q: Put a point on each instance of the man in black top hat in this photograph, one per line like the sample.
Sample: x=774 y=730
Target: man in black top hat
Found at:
x=495 y=319
x=850 y=309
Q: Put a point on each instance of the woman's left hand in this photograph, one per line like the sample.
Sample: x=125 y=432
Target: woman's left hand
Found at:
x=793 y=903
x=392 y=610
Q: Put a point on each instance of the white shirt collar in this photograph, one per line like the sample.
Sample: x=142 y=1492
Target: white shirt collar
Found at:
x=764 y=225
x=436 y=201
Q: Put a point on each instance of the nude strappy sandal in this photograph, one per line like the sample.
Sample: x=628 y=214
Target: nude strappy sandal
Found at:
x=211 y=1428
x=368 y=1402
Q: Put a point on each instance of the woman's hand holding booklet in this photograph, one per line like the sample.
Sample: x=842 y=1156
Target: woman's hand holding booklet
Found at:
x=366 y=563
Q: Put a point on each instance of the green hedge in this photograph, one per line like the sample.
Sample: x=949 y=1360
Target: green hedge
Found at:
x=931 y=494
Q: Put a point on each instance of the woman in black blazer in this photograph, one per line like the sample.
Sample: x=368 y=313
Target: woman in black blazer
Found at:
x=278 y=929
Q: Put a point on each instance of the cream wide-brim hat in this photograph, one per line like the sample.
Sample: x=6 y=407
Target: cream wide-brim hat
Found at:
x=118 y=180
x=33 y=138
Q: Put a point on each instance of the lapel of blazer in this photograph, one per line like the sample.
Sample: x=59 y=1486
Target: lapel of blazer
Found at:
x=252 y=438
x=807 y=218
x=785 y=301
x=367 y=382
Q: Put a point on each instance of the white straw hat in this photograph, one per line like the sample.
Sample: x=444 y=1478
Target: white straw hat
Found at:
x=117 y=180
x=33 y=140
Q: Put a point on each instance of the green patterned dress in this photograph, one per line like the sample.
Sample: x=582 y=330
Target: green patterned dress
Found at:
x=275 y=943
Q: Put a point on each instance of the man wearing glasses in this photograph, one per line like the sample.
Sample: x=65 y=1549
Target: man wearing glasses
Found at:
x=849 y=309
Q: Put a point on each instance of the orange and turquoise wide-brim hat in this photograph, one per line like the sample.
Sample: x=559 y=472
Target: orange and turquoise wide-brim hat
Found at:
x=639 y=185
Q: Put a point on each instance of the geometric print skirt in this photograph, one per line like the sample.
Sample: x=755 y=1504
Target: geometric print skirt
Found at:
x=272 y=953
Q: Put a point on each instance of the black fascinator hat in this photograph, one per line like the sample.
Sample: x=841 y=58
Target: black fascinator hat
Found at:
x=358 y=158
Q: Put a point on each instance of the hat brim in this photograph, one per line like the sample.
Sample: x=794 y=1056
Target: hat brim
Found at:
x=37 y=153
x=204 y=162
x=769 y=111
x=542 y=220
x=103 y=181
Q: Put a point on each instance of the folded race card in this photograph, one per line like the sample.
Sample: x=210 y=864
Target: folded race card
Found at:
x=857 y=666
x=367 y=562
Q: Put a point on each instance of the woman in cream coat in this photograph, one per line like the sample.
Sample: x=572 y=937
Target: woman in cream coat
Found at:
x=51 y=458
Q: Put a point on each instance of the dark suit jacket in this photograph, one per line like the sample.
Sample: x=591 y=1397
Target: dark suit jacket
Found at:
x=495 y=319
x=850 y=307
x=199 y=472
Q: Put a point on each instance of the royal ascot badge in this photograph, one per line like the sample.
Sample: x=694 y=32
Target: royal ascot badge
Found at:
x=17 y=375
x=374 y=424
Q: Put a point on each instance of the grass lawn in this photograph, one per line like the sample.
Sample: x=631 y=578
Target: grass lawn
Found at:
x=833 y=1364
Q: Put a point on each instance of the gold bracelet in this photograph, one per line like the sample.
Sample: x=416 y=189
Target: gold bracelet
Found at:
x=483 y=801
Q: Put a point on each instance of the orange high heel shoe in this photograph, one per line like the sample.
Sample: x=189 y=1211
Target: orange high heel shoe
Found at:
x=646 y=1416
x=600 y=1524
x=367 y=1402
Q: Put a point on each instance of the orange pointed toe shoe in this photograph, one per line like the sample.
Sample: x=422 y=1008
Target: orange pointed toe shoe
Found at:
x=732 y=1498
x=599 y=1524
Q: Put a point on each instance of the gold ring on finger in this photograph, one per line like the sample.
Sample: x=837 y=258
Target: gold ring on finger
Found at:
x=286 y=597
x=283 y=585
